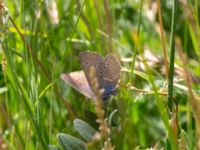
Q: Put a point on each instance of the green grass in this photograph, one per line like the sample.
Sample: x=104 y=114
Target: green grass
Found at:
x=37 y=107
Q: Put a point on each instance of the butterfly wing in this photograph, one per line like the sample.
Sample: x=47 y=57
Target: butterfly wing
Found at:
x=79 y=82
x=112 y=71
x=89 y=59
x=107 y=71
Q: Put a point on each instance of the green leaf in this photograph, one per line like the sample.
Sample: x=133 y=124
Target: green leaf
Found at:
x=3 y=89
x=69 y=142
x=111 y=116
x=181 y=87
x=138 y=73
x=84 y=129
x=53 y=147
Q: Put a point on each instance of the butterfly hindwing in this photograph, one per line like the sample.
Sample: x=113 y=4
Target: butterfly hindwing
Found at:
x=78 y=81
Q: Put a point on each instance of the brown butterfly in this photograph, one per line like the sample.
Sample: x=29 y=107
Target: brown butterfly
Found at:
x=107 y=72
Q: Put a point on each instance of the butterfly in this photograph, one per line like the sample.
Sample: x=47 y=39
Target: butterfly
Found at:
x=107 y=73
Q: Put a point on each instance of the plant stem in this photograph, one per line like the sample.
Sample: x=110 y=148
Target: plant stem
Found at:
x=44 y=70
x=172 y=53
x=162 y=39
x=136 y=42
x=172 y=139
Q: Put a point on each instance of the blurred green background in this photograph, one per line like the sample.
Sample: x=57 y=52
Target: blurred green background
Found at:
x=34 y=101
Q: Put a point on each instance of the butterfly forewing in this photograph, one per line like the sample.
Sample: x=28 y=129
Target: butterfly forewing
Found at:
x=112 y=69
x=89 y=59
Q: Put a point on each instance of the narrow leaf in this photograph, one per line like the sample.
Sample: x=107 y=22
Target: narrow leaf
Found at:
x=84 y=129
x=69 y=142
x=53 y=147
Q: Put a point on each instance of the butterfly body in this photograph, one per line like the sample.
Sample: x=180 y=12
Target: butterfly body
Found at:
x=107 y=74
x=108 y=91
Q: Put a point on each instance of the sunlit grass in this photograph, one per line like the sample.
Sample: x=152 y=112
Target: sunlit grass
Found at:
x=40 y=40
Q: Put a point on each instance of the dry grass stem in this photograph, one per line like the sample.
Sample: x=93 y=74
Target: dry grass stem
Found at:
x=162 y=39
x=191 y=93
x=104 y=130
x=164 y=93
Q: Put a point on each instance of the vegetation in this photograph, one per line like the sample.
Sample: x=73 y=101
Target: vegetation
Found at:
x=158 y=96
